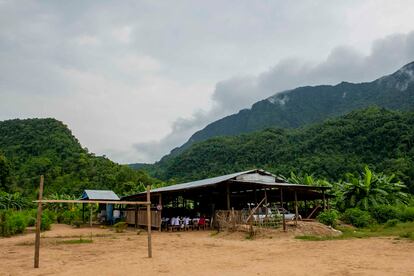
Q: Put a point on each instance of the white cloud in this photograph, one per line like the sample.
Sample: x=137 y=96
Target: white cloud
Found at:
x=134 y=79
x=342 y=64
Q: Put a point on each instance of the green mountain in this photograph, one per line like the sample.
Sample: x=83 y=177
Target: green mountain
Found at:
x=380 y=138
x=311 y=104
x=29 y=148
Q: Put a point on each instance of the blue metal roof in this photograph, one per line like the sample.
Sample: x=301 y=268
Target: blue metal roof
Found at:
x=99 y=195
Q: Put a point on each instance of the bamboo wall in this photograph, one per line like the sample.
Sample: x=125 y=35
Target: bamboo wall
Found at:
x=142 y=218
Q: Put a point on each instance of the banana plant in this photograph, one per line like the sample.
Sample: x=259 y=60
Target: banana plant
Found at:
x=371 y=189
x=12 y=201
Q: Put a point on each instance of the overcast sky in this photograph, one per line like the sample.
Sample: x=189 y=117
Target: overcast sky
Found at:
x=134 y=79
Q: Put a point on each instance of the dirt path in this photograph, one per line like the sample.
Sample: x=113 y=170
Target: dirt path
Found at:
x=200 y=253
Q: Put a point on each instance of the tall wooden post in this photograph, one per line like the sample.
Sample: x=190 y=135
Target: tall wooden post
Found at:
x=296 y=209
x=136 y=216
x=90 y=215
x=306 y=207
x=38 y=223
x=83 y=212
x=283 y=214
x=160 y=216
x=266 y=210
x=149 y=221
x=255 y=196
x=228 y=196
x=323 y=198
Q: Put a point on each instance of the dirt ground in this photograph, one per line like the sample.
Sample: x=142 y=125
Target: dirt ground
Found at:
x=202 y=253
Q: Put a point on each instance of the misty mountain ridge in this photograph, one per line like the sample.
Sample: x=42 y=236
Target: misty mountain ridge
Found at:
x=376 y=137
x=311 y=104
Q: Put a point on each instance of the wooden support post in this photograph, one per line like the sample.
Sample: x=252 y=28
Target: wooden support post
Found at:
x=265 y=196
x=255 y=196
x=228 y=196
x=90 y=215
x=136 y=216
x=296 y=209
x=83 y=212
x=149 y=221
x=38 y=223
x=323 y=200
x=283 y=214
x=160 y=204
x=306 y=207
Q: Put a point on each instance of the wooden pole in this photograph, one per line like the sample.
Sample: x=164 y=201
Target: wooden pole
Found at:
x=255 y=196
x=136 y=216
x=160 y=216
x=38 y=223
x=149 y=222
x=83 y=212
x=283 y=214
x=323 y=203
x=296 y=209
x=306 y=207
x=265 y=195
x=90 y=215
x=228 y=196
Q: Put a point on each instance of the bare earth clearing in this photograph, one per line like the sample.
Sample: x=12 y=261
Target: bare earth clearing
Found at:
x=201 y=253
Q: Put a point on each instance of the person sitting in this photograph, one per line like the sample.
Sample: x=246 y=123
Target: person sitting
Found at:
x=202 y=223
x=186 y=223
x=176 y=223
x=172 y=223
x=164 y=223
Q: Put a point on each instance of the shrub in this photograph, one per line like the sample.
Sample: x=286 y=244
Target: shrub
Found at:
x=68 y=217
x=48 y=217
x=12 y=222
x=17 y=222
x=328 y=217
x=30 y=221
x=45 y=224
x=391 y=223
x=384 y=213
x=120 y=226
x=406 y=214
x=357 y=217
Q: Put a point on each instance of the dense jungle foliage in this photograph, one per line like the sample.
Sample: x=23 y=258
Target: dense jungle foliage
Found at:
x=379 y=138
x=29 y=148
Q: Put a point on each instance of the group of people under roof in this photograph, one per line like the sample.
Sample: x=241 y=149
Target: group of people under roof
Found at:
x=184 y=223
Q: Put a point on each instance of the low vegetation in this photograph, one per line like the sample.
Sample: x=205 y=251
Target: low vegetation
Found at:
x=76 y=241
x=403 y=230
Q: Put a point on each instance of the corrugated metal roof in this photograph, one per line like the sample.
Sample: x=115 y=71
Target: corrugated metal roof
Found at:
x=99 y=195
x=204 y=182
x=285 y=184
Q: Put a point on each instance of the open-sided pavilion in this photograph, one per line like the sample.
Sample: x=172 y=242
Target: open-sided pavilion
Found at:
x=228 y=192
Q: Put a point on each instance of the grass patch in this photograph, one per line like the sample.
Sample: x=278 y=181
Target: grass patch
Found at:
x=407 y=235
x=214 y=233
x=77 y=236
x=76 y=241
x=315 y=238
x=402 y=230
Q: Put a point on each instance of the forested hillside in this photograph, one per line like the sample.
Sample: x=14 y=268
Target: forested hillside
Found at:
x=312 y=104
x=380 y=138
x=29 y=148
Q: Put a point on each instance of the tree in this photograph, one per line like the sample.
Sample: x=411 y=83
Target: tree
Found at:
x=370 y=189
x=5 y=172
